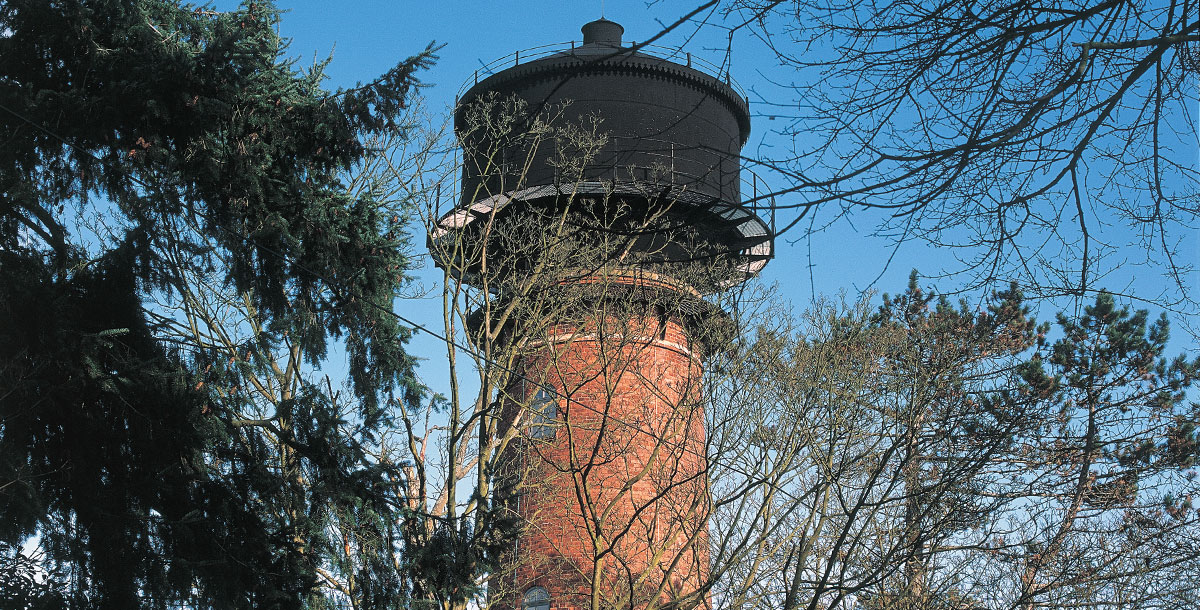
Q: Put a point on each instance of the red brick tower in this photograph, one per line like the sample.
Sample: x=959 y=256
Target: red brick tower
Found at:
x=614 y=495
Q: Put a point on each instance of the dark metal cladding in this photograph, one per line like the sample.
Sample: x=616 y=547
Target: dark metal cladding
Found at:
x=671 y=129
x=657 y=113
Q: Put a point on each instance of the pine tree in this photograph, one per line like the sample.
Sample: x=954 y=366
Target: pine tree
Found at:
x=951 y=409
x=143 y=138
x=1111 y=471
x=936 y=455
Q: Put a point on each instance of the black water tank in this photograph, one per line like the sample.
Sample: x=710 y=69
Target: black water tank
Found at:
x=673 y=132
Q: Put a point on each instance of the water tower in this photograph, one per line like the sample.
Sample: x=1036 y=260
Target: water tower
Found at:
x=612 y=417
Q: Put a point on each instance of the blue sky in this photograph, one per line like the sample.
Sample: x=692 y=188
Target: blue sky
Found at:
x=367 y=37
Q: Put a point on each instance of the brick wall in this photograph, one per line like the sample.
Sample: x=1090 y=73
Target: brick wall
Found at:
x=615 y=498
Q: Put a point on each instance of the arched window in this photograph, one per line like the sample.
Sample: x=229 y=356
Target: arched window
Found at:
x=536 y=598
x=545 y=413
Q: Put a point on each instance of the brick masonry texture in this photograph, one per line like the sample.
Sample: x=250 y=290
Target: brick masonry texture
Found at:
x=616 y=499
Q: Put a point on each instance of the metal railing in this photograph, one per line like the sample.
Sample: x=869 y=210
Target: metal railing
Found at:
x=678 y=56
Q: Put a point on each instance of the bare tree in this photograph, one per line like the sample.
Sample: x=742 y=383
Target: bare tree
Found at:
x=584 y=418
x=1048 y=143
x=912 y=456
x=500 y=305
x=926 y=456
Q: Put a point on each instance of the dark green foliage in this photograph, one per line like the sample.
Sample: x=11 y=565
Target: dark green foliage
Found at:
x=958 y=406
x=170 y=113
x=103 y=440
x=1063 y=469
x=142 y=138
x=1123 y=406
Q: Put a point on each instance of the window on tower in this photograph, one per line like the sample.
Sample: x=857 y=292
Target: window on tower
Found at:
x=536 y=598
x=544 y=409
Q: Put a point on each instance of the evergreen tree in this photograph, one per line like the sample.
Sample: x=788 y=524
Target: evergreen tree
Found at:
x=951 y=408
x=1110 y=479
x=142 y=139
x=935 y=455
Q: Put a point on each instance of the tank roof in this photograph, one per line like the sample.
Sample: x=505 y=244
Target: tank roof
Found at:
x=603 y=52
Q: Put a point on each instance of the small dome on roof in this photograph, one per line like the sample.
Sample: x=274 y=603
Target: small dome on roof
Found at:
x=602 y=31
